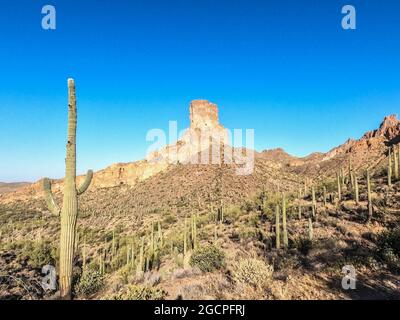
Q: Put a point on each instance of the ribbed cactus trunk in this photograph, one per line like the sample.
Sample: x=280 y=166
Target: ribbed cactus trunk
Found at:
x=277 y=228
x=69 y=212
x=284 y=223
x=339 y=189
x=389 y=171
x=356 y=190
x=314 y=203
x=370 y=208
x=396 y=164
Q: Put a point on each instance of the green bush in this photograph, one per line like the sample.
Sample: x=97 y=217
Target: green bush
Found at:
x=304 y=245
x=390 y=239
x=40 y=254
x=90 y=282
x=138 y=292
x=253 y=272
x=208 y=258
x=388 y=244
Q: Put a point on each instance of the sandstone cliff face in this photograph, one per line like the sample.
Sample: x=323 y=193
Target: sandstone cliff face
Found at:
x=199 y=142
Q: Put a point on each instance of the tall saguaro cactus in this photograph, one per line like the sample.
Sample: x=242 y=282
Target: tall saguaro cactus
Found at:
x=396 y=163
x=69 y=211
x=284 y=223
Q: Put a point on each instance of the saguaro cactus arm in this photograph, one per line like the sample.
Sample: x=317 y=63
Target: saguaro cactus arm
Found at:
x=85 y=185
x=48 y=196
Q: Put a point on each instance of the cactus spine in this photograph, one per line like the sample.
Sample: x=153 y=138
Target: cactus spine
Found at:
x=277 y=228
x=284 y=227
x=69 y=211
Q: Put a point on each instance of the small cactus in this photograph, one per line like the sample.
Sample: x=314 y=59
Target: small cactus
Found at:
x=160 y=234
x=356 y=191
x=194 y=232
x=299 y=212
x=140 y=264
x=310 y=230
x=339 y=187
x=396 y=163
x=284 y=227
x=84 y=254
x=389 y=171
x=277 y=228
x=324 y=191
x=314 y=202
x=370 y=207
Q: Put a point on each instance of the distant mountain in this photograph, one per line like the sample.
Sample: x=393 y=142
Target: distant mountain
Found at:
x=9 y=187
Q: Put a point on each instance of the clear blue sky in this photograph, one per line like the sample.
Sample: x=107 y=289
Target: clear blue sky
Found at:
x=285 y=68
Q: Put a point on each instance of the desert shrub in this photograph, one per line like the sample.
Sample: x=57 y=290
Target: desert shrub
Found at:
x=249 y=206
x=390 y=239
x=169 y=219
x=253 y=272
x=304 y=245
x=208 y=258
x=388 y=244
x=138 y=292
x=330 y=185
x=40 y=254
x=90 y=282
x=232 y=213
x=248 y=233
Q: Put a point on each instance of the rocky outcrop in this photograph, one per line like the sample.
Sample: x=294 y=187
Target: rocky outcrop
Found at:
x=200 y=142
x=389 y=129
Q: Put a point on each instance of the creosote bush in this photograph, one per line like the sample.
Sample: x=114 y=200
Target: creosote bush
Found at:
x=253 y=272
x=304 y=245
x=90 y=282
x=208 y=258
x=388 y=244
x=41 y=254
x=138 y=292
